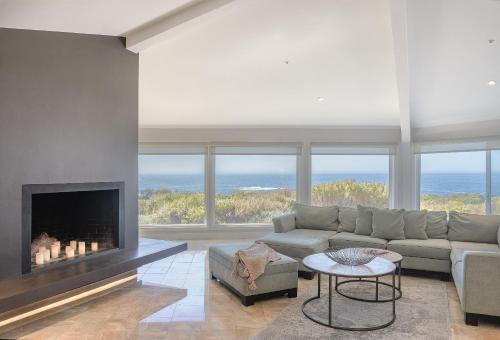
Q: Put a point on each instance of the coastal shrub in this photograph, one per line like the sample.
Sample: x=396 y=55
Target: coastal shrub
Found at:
x=163 y=206
x=350 y=193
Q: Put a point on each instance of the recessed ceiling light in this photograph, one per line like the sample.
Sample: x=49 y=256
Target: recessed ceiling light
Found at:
x=491 y=41
x=320 y=99
x=492 y=83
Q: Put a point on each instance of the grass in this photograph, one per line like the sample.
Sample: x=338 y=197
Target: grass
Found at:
x=166 y=207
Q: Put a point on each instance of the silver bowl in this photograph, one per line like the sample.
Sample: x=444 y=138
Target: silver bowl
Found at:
x=351 y=256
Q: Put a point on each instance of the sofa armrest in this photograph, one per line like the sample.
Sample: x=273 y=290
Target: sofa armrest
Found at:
x=284 y=223
x=481 y=286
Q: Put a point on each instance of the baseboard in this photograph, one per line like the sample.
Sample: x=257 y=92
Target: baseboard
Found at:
x=205 y=233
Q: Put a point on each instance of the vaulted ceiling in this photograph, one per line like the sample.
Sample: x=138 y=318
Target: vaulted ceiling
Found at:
x=296 y=62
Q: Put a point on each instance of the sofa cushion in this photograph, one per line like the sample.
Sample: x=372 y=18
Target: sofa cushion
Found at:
x=284 y=223
x=224 y=254
x=364 y=221
x=350 y=240
x=437 y=225
x=311 y=217
x=474 y=246
x=415 y=223
x=432 y=248
x=388 y=224
x=347 y=219
x=473 y=228
x=299 y=243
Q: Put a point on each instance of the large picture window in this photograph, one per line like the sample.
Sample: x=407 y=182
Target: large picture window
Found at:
x=254 y=184
x=453 y=181
x=171 y=189
x=340 y=178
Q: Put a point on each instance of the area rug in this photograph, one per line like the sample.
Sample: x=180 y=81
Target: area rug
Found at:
x=422 y=313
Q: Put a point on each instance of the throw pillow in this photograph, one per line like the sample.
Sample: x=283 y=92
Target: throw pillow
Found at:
x=415 y=224
x=347 y=219
x=437 y=226
x=388 y=224
x=284 y=224
x=311 y=217
x=473 y=228
x=364 y=221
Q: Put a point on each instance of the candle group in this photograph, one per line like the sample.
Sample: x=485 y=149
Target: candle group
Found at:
x=45 y=255
x=70 y=252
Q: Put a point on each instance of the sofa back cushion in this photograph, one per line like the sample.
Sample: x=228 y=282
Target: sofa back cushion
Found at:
x=311 y=217
x=437 y=224
x=284 y=223
x=388 y=224
x=473 y=228
x=415 y=223
x=347 y=219
x=364 y=221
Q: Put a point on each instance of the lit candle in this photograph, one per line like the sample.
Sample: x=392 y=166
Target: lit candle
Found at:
x=41 y=250
x=94 y=246
x=54 y=250
x=58 y=243
x=39 y=258
x=70 y=252
x=72 y=244
x=81 y=247
x=46 y=256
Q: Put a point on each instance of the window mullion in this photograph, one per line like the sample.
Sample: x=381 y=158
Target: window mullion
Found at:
x=488 y=182
x=210 y=186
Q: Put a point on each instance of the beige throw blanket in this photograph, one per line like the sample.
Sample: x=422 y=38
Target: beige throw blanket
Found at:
x=253 y=260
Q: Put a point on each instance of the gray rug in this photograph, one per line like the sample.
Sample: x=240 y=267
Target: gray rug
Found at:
x=422 y=313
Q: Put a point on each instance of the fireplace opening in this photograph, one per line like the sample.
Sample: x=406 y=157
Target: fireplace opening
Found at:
x=64 y=226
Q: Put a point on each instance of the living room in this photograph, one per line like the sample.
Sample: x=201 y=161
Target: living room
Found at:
x=198 y=169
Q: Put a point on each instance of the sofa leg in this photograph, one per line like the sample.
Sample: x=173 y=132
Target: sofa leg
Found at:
x=212 y=276
x=247 y=300
x=292 y=293
x=471 y=319
x=445 y=277
x=306 y=275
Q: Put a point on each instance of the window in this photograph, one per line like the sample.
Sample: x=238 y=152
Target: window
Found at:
x=495 y=182
x=453 y=181
x=350 y=176
x=254 y=184
x=171 y=189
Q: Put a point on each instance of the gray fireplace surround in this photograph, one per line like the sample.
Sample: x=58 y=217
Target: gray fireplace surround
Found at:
x=116 y=189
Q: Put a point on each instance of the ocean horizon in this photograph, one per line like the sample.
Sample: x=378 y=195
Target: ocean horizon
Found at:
x=431 y=183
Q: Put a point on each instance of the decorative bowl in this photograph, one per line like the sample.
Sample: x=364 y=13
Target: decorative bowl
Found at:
x=351 y=256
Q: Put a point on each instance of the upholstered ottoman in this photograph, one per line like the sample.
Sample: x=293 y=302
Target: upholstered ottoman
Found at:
x=279 y=278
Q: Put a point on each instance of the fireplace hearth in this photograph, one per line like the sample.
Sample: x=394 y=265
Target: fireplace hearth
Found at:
x=64 y=223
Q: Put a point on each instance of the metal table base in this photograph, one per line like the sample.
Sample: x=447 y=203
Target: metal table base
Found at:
x=330 y=315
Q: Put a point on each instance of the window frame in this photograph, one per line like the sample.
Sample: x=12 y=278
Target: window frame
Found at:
x=370 y=149
x=209 y=153
x=488 y=195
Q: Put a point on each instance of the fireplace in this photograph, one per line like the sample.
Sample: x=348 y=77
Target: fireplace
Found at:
x=65 y=223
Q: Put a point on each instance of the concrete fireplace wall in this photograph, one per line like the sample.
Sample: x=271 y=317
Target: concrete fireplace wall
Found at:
x=68 y=113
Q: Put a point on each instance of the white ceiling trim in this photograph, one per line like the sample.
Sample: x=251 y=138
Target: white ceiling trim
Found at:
x=157 y=31
x=400 y=36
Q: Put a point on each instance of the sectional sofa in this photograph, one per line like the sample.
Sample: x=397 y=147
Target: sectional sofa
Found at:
x=466 y=246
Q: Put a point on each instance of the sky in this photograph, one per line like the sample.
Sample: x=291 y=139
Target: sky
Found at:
x=281 y=164
x=463 y=162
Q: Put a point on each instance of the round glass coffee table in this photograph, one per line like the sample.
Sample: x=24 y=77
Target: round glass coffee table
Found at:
x=377 y=268
x=392 y=256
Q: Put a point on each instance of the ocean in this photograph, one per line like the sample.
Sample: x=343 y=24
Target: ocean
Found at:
x=431 y=183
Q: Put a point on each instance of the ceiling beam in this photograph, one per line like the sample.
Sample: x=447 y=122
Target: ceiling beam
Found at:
x=399 y=25
x=156 y=31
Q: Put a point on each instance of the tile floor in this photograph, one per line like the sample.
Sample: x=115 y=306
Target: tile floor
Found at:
x=184 y=303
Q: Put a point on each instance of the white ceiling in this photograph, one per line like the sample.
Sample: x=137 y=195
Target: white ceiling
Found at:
x=107 y=17
x=229 y=67
x=451 y=61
